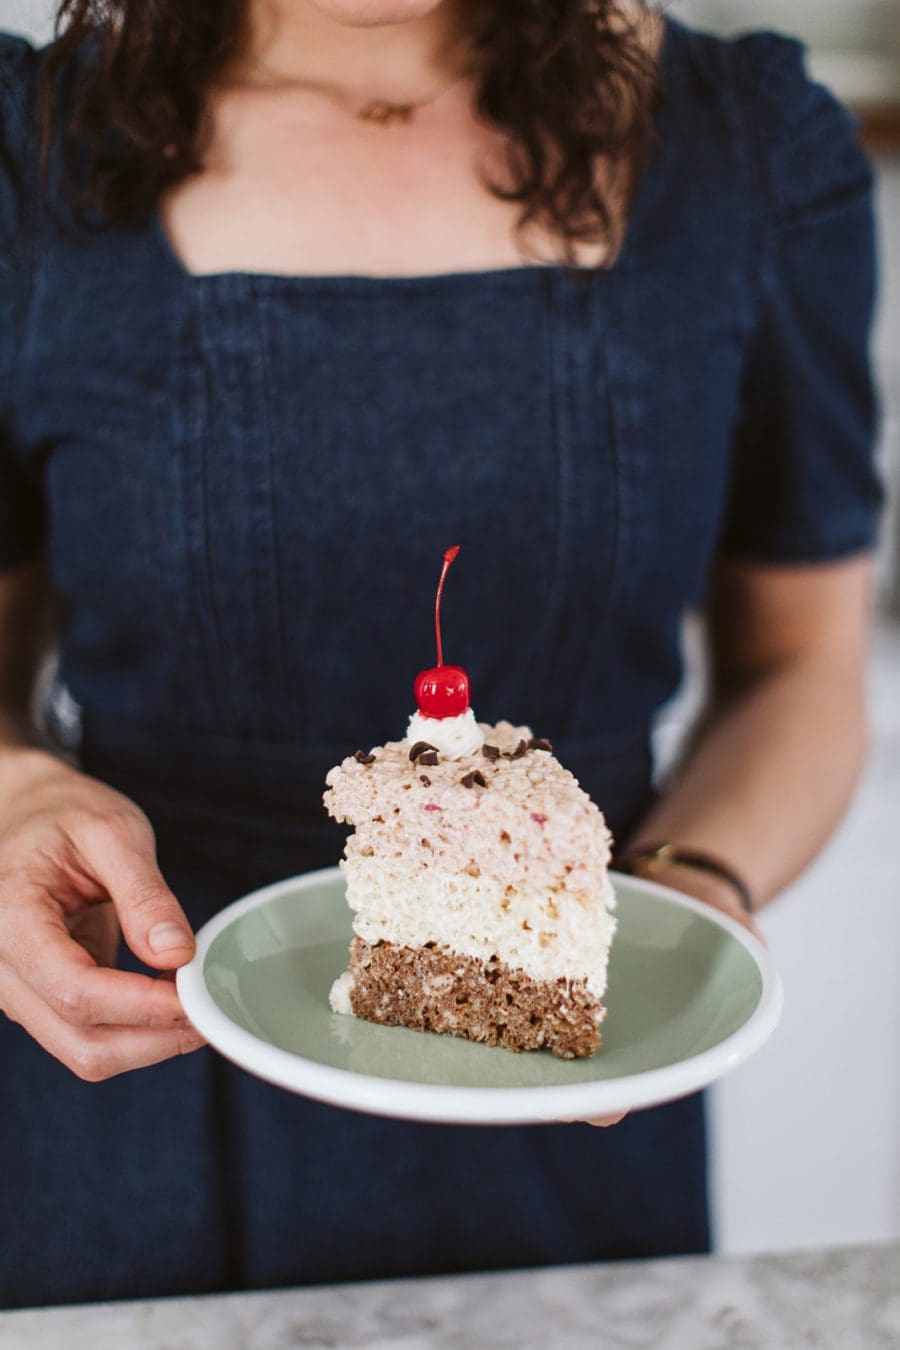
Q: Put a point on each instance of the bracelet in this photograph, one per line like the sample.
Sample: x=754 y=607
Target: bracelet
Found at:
x=654 y=856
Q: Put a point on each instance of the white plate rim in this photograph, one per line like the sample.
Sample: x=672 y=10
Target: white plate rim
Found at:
x=441 y=1103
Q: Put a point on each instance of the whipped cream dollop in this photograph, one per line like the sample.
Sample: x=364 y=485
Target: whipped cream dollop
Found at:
x=339 y=998
x=453 y=737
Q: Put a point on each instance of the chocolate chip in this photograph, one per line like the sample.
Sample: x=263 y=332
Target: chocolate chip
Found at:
x=520 y=750
x=362 y=758
x=476 y=776
x=418 y=748
x=490 y=751
x=423 y=778
x=540 y=743
x=428 y=757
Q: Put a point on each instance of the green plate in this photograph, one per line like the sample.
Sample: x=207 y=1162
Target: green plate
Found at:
x=691 y=994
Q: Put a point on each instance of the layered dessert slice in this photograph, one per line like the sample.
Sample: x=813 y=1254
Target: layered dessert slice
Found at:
x=477 y=871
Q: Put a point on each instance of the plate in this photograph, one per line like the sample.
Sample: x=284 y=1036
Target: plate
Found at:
x=691 y=995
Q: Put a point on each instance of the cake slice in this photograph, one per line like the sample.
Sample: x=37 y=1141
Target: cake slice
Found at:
x=477 y=873
x=479 y=885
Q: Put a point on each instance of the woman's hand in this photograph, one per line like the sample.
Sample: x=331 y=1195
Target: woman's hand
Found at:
x=602 y=1122
x=709 y=888
x=77 y=860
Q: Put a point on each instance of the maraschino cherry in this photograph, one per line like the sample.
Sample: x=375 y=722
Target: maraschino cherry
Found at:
x=442 y=691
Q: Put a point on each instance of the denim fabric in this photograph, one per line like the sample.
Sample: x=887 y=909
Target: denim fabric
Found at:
x=243 y=483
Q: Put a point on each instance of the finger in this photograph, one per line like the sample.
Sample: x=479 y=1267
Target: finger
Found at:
x=601 y=1122
x=122 y=855
x=97 y=1053
x=59 y=972
x=106 y=1052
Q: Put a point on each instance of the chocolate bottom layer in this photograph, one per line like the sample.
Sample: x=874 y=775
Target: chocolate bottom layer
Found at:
x=488 y=1001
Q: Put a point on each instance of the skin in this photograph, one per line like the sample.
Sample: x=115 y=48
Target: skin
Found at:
x=294 y=184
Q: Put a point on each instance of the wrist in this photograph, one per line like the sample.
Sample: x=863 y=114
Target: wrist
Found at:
x=690 y=869
x=22 y=765
x=698 y=883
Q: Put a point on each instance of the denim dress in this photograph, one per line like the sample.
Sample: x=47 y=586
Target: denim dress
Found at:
x=243 y=483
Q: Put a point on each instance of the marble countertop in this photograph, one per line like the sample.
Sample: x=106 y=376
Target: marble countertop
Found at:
x=841 y=1299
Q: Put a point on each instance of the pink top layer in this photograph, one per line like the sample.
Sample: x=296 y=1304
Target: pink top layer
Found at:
x=532 y=824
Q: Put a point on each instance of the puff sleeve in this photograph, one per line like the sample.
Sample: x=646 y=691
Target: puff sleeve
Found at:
x=21 y=507
x=803 y=484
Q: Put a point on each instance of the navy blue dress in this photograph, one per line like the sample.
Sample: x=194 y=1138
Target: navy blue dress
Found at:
x=242 y=484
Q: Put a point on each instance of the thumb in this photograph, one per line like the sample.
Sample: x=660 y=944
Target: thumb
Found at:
x=122 y=856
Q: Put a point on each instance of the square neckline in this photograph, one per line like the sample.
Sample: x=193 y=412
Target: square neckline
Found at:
x=354 y=282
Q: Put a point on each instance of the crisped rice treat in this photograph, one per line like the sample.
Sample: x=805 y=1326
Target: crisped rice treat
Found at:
x=480 y=889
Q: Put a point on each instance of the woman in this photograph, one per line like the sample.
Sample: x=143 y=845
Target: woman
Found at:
x=307 y=288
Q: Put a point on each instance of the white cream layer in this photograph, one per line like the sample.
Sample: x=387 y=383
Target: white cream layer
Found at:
x=550 y=935
x=452 y=736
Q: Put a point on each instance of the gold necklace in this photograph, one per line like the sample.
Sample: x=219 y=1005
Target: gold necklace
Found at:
x=380 y=113
x=377 y=112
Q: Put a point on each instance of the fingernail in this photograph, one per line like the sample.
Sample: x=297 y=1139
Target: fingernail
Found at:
x=166 y=936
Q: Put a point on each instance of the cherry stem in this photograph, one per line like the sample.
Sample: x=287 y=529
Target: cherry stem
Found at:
x=449 y=555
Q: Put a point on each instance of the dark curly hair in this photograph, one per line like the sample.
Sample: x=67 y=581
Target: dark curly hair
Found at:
x=571 y=83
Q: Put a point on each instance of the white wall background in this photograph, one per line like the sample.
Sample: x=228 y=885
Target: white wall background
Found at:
x=807 y=1135
x=31 y=17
